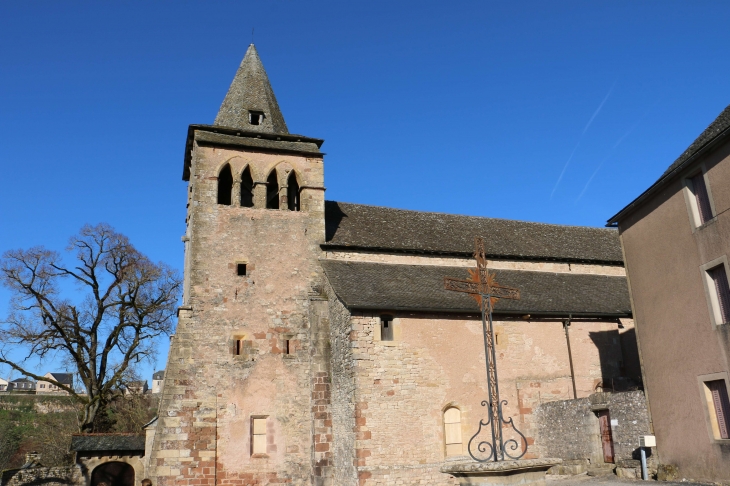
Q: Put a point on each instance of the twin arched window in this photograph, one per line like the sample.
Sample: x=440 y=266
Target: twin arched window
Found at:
x=225 y=189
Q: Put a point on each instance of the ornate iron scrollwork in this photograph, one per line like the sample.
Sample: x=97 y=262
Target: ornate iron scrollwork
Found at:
x=497 y=449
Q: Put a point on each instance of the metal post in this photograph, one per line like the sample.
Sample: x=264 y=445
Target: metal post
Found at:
x=644 y=472
x=566 y=324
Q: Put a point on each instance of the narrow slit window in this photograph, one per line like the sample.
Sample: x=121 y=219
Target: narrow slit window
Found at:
x=292 y=192
x=386 y=328
x=452 y=432
x=272 y=191
x=718 y=275
x=241 y=269
x=258 y=435
x=719 y=408
x=702 y=197
x=287 y=346
x=238 y=347
x=225 y=185
x=246 y=189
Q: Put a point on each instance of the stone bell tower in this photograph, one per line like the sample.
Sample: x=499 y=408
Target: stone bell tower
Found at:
x=246 y=391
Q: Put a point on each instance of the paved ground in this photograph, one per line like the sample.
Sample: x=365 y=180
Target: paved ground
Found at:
x=611 y=480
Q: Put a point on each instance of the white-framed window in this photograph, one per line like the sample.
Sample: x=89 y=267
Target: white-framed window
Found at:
x=717 y=289
x=717 y=404
x=699 y=198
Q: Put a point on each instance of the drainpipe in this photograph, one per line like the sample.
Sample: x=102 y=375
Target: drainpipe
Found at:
x=566 y=325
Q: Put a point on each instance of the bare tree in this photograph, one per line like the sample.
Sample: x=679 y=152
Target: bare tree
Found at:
x=127 y=302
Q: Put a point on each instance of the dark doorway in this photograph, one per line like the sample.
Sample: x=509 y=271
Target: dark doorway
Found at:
x=113 y=474
x=604 y=422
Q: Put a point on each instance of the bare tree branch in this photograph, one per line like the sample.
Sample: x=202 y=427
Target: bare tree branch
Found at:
x=128 y=301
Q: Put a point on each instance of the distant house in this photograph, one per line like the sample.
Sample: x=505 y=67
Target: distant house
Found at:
x=3 y=385
x=48 y=388
x=22 y=385
x=157 y=380
x=136 y=388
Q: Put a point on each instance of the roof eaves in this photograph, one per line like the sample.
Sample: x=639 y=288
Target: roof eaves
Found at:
x=665 y=178
x=509 y=257
x=243 y=134
x=531 y=313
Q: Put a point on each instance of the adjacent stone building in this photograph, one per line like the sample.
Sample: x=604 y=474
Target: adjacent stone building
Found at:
x=316 y=344
x=676 y=238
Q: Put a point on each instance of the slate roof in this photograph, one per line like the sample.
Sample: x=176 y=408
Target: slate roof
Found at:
x=377 y=286
x=721 y=123
x=158 y=375
x=63 y=378
x=715 y=133
x=251 y=91
x=357 y=226
x=107 y=442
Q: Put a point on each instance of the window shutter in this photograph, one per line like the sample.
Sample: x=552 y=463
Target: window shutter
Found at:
x=719 y=277
x=722 y=405
x=703 y=198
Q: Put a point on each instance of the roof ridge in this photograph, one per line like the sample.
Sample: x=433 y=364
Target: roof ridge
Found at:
x=477 y=217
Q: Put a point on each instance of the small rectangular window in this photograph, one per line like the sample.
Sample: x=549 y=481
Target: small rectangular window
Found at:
x=702 y=197
x=719 y=408
x=238 y=347
x=287 y=346
x=722 y=291
x=255 y=117
x=258 y=435
x=386 y=328
x=241 y=269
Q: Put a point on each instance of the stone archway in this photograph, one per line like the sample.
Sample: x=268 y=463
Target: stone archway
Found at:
x=113 y=474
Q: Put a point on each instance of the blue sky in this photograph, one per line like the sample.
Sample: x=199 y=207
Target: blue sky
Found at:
x=560 y=112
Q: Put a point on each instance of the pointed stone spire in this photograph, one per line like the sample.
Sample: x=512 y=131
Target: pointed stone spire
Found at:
x=250 y=103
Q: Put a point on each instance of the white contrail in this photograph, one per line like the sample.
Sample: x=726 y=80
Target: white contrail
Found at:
x=610 y=152
x=598 y=110
x=564 y=167
x=595 y=114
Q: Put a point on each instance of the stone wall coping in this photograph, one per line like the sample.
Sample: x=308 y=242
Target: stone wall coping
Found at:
x=498 y=467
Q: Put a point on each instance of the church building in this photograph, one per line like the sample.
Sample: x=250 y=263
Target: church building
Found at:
x=316 y=343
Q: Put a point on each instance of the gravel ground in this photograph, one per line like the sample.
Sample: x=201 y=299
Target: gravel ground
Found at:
x=610 y=480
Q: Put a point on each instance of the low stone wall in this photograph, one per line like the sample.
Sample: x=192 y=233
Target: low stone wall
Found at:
x=569 y=430
x=38 y=403
x=46 y=476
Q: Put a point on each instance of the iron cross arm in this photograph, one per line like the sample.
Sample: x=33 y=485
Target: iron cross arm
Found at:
x=471 y=287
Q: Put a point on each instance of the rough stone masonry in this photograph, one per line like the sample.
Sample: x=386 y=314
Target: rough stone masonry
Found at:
x=316 y=344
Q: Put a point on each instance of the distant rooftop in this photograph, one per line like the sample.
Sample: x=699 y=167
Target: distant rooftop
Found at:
x=107 y=442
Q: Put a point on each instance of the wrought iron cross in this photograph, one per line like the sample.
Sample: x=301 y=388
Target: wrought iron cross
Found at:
x=484 y=288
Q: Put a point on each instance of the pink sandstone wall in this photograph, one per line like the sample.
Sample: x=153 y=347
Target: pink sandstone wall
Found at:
x=210 y=395
x=402 y=388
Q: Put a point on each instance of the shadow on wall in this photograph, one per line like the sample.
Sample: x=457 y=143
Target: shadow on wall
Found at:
x=619 y=360
x=333 y=217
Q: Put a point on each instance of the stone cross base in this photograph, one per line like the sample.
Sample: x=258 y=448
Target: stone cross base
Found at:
x=512 y=473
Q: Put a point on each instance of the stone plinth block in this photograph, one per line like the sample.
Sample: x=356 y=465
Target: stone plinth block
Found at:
x=527 y=471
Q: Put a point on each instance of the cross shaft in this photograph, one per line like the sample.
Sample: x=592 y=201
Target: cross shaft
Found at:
x=483 y=287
